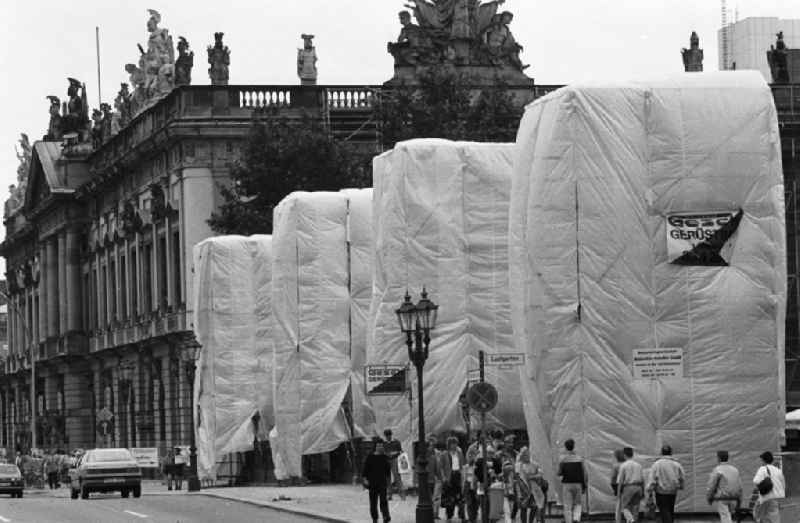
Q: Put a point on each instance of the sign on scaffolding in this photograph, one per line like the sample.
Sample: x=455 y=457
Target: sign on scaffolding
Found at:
x=385 y=380
x=506 y=361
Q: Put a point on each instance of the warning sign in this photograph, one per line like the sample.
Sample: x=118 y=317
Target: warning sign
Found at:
x=652 y=364
x=385 y=379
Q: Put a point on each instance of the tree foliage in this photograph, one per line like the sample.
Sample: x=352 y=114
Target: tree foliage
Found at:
x=445 y=105
x=281 y=156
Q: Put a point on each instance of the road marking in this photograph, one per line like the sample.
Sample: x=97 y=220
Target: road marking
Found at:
x=132 y=513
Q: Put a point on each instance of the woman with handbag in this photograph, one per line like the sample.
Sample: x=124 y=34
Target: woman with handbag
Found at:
x=771 y=487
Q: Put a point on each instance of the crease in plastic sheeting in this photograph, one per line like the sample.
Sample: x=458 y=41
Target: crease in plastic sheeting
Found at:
x=231 y=313
x=595 y=336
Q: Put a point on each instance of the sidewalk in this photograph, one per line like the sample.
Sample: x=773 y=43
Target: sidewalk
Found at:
x=345 y=503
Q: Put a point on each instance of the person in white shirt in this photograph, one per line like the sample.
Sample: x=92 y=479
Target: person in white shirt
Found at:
x=631 y=486
x=668 y=479
x=766 y=509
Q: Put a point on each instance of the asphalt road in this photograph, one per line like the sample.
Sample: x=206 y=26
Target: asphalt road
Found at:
x=111 y=508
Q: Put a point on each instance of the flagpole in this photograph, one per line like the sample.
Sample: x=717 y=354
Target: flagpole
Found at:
x=97 y=46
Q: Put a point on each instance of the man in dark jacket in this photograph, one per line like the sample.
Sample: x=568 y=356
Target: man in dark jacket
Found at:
x=572 y=473
x=376 y=474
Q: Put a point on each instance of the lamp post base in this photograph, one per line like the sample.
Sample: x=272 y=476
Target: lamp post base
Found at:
x=193 y=483
x=424 y=513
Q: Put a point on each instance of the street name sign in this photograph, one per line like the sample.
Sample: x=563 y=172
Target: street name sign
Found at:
x=385 y=380
x=506 y=360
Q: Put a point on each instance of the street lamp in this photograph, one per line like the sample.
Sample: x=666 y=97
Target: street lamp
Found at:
x=417 y=322
x=189 y=357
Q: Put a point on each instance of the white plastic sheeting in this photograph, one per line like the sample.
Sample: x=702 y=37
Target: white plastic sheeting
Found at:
x=321 y=283
x=232 y=322
x=598 y=170
x=441 y=220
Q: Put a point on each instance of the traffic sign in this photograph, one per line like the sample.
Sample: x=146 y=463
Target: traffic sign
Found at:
x=482 y=396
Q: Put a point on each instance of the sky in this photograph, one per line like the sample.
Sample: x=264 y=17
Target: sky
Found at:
x=44 y=42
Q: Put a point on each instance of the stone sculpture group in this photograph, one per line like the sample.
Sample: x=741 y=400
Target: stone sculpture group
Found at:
x=459 y=32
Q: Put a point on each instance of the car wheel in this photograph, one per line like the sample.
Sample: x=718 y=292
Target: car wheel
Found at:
x=73 y=493
x=125 y=493
x=137 y=491
x=84 y=492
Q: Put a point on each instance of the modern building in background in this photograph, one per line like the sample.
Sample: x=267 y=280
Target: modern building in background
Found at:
x=744 y=44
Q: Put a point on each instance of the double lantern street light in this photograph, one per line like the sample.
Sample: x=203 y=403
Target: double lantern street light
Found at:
x=417 y=322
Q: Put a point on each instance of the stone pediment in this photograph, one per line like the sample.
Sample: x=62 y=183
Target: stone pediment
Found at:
x=52 y=173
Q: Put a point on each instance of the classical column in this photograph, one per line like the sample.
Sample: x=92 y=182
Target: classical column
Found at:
x=166 y=380
x=170 y=276
x=52 y=287
x=62 y=283
x=107 y=288
x=99 y=290
x=73 y=281
x=42 y=292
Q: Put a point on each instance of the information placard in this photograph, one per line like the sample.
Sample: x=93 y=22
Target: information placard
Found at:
x=146 y=457
x=385 y=379
x=652 y=364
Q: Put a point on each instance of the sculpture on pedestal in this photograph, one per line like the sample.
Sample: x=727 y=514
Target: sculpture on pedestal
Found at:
x=778 y=64
x=307 y=61
x=122 y=104
x=106 y=123
x=693 y=57
x=184 y=63
x=219 y=57
x=17 y=192
x=97 y=128
x=138 y=98
x=458 y=32
x=54 y=130
x=75 y=115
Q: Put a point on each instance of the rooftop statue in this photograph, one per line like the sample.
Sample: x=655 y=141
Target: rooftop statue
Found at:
x=17 y=192
x=122 y=104
x=778 y=64
x=184 y=63
x=307 y=61
x=693 y=57
x=75 y=113
x=219 y=57
x=54 y=129
x=461 y=32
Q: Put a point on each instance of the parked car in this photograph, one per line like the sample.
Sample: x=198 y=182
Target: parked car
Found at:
x=11 y=480
x=106 y=470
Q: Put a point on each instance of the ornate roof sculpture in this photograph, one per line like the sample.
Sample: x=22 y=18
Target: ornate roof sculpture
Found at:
x=219 y=58
x=470 y=34
x=16 y=191
x=693 y=57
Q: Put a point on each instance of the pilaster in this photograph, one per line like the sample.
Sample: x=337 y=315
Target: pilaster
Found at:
x=73 y=282
x=62 y=283
x=52 y=288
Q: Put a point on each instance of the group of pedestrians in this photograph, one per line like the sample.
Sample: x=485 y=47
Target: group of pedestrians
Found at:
x=666 y=478
x=514 y=480
x=55 y=467
x=456 y=478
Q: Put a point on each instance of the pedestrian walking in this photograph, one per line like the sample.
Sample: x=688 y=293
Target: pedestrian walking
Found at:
x=434 y=475
x=451 y=464
x=667 y=479
x=771 y=486
x=51 y=468
x=471 y=481
x=377 y=474
x=619 y=459
x=493 y=469
x=631 y=486
x=530 y=492
x=572 y=472
x=724 y=488
x=393 y=450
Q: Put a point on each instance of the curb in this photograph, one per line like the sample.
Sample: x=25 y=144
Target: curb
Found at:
x=278 y=507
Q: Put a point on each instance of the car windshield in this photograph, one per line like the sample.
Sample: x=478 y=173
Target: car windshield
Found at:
x=111 y=455
x=8 y=469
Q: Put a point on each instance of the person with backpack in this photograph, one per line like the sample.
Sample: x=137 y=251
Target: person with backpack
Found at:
x=771 y=487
